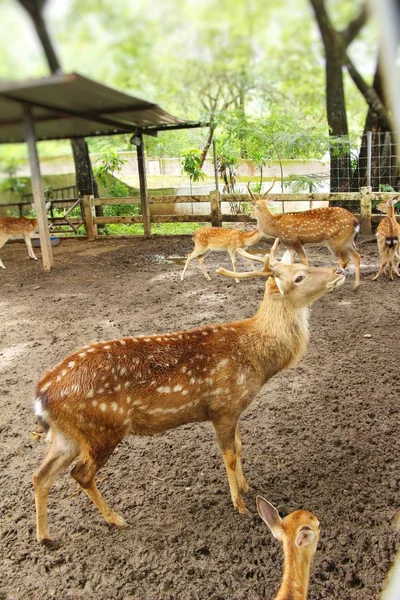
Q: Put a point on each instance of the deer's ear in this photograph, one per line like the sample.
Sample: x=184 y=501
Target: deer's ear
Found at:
x=305 y=537
x=270 y=516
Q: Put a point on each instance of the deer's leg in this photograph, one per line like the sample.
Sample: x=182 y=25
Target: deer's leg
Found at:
x=241 y=479
x=232 y=254
x=28 y=243
x=356 y=258
x=226 y=433
x=62 y=452
x=300 y=251
x=84 y=473
x=203 y=266
x=196 y=252
x=379 y=273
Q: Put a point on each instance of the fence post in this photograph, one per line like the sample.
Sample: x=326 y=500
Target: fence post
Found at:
x=91 y=229
x=369 y=157
x=366 y=210
x=215 y=209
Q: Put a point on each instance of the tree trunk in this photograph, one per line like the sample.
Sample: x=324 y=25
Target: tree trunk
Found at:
x=384 y=161
x=335 y=101
x=85 y=180
x=207 y=145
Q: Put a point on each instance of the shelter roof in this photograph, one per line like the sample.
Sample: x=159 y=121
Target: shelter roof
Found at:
x=70 y=106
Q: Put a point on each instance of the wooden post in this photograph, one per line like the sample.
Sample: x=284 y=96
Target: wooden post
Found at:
x=215 y=165
x=366 y=210
x=37 y=191
x=91 y=229
x=216 y=220
x=143 y=184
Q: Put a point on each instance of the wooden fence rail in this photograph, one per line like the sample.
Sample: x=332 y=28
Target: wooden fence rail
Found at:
x=362 y=201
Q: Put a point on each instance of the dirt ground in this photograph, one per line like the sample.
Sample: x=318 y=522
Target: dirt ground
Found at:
x=323 y=436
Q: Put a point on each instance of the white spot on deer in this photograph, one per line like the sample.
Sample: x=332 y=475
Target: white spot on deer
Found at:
x=90 y=350
x=64 y=372
x=40 y=411
x=122 y=342
x=177 y=388
x=122 y=371
x=209 y=381
x=223 y=363
x=94 y=403
x=58 y=378
x=46 y=386
x=106 y=385
x=103 y=406
x=100 y=391
x=82 y=354
x=184 y=369
x=117 y=388
x=127 y=384
x=164 y=389
x=184 y=392
x=71 y=364
x=106 y=347
x=128 y=399
x=192 y=380
x=114 y=406
x=75 y=388
x=126 y=422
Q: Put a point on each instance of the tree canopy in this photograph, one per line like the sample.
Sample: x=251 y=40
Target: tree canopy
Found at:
x=254 y=69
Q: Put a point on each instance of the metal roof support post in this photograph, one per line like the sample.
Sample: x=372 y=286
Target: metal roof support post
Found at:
x=137 y=140
x=37 y=190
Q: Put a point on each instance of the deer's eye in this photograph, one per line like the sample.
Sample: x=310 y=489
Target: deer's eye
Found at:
x=299 y=278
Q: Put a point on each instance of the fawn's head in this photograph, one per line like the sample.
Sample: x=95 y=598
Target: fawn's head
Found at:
x=299 y=529
x=297 y=284
x=387 y=203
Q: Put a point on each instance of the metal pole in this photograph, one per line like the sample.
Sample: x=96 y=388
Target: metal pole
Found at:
x=138 y=141
x=215 y=166
x=37 y=190
x=369 y=158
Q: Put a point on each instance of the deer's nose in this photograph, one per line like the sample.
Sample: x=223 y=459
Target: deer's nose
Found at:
x=340 y=272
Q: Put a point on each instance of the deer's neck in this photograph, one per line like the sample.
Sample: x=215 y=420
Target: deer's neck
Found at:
x=296 y=574
x=267 y=222
x=281 y=334
x=390 y=212
x=252 y=237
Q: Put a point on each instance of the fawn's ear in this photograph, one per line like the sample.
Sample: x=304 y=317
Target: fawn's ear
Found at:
x=395 y=199
x=270 y=516
x=305 y=537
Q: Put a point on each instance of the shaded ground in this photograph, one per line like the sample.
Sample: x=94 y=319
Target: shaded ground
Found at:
x=324 y=436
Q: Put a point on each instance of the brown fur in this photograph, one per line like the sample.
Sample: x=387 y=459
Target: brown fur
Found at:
x=334 y=226
x=17 y=228
x=299 y=532
x=220 y=239
x=147 y=385
x=387 y=237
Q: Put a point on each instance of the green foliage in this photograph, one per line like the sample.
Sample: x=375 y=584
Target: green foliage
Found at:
x=303 y=183
x=191 y=164
x=12 y=183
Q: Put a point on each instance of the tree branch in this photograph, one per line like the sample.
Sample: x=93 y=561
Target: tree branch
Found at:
x=354 y=27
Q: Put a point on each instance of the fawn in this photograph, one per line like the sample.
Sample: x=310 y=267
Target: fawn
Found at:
x=12 y=228
x=220 y=239
x=334 y=226
x=149 y=384
x=299 y=533
x=387 y=237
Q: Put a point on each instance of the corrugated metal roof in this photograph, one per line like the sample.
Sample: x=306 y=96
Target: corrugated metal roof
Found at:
x=68 y=106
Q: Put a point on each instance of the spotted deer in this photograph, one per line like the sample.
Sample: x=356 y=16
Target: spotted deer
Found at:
x=13 y=228
x=221 y=240
x=299 y=532
x=149 y=384
x=334 y=226
x=387 y=237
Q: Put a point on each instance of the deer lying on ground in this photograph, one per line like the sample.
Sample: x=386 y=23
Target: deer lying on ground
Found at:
x=387 y=237
x=299 y=533
x=336 y=227
x=149 y=384
x=220 y=239
x=13 y=228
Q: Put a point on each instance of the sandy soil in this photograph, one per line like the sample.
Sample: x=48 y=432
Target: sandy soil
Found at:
x=323 y=436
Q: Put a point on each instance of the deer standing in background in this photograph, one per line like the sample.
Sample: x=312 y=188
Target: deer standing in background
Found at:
x=336 y=227
x=149 y=384
x=299 y=533
x=13 y=228
x=387 y=237
x=220 y=239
